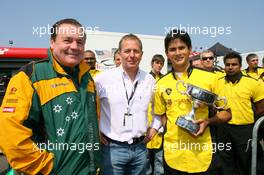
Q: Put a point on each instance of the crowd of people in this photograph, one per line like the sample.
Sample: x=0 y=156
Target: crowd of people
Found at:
x=63 y=116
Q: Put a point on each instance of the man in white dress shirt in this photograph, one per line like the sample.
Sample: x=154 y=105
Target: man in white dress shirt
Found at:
x=124 y=93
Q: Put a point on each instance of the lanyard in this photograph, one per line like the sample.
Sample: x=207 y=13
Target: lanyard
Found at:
x=132 y=93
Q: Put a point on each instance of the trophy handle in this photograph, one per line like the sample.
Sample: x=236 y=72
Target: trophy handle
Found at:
x=219 y=99
x=177 y=85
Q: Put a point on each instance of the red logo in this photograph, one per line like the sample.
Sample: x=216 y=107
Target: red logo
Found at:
x=9 y=109
x=12 y=91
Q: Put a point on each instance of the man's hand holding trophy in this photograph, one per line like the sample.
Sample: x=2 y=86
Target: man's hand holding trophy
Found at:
x=198 y=97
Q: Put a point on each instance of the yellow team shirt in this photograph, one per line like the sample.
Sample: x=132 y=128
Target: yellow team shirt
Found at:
x=94 y=72
x=219 y=73
x=182 y=150
x=255 y=74
x=240 y=95
x=156 y=141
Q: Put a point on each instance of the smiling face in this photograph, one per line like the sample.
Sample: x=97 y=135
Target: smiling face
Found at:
x=68 y=46
x=178 y=53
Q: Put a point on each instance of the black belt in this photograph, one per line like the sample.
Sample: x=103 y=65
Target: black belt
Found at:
x=135 y=140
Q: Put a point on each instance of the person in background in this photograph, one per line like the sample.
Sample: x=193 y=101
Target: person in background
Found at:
x=155 y=151
x=48 y=117
x=157 y=63
x=243 y=92
x=90 y=59
x=117 y=58
x=253 y=70
x=124 y=93
x=207 y=61
x=207 y=58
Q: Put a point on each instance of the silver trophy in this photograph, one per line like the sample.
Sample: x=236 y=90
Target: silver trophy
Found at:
x=199 y=97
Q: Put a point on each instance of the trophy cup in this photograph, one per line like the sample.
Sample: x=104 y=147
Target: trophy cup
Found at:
x=198 y=96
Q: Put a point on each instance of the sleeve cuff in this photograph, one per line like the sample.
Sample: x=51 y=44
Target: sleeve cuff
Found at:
x=156 y=122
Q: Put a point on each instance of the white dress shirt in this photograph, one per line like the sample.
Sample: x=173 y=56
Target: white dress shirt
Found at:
x=111 y=87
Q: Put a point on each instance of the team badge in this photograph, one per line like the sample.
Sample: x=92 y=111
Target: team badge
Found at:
x=168 y=91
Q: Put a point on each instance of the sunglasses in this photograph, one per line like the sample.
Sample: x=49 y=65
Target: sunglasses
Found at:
x=207 y=58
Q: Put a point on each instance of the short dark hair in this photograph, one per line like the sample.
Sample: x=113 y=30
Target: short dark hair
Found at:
x=157 y=57
x=55 y=28
x=89 y=51
x=177 y=34
x=250 y=56
x=132 y=37
x=233 y=55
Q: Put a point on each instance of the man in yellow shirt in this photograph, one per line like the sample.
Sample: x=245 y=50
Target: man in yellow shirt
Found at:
x=90 y=59
x=184 y=152
x=253 y=70
x=157 y=63
x=207 y=62
x=243 y=92
x=155 y=151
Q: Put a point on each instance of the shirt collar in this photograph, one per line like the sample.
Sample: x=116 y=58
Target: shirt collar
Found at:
x=254 y=70
x=235 y=79
x=124 y=74
x=82 y=68
x=155 y=76
x=189 y=71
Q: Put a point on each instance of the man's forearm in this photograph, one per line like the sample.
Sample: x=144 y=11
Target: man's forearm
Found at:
x=220 y=117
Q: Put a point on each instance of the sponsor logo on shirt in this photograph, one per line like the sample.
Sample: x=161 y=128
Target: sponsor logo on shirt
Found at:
x=59 y=84
x=11 y=100
x=9 y=109
x=12 y=91
x=168 y=91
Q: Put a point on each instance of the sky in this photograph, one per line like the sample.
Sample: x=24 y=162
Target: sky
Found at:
x=236 y=24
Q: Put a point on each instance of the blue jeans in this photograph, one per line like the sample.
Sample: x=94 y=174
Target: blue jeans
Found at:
x=155 y=162
x=124 y=159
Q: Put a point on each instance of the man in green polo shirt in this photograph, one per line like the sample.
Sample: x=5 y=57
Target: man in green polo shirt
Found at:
x=49 y=122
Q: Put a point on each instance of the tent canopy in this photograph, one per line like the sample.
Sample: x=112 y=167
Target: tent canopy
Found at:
x=221 y=50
